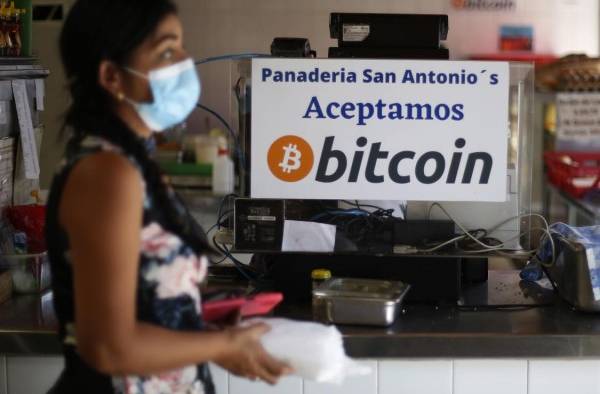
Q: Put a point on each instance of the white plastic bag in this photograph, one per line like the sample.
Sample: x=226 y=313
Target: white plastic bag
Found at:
x=314 y=351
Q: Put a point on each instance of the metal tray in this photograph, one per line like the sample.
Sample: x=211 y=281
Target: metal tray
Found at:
x=358 y=301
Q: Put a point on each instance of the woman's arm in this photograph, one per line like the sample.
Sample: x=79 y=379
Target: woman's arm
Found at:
x=101 y=211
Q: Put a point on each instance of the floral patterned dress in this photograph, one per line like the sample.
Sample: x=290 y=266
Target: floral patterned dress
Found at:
x=168 y=292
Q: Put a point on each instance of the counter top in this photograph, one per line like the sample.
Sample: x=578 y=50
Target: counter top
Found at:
x=530 y=323
x=28 y=325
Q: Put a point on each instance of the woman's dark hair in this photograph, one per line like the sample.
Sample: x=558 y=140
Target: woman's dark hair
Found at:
x=98 y=30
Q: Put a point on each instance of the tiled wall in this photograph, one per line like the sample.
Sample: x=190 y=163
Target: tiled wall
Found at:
x=444 y=377
x=34 y=375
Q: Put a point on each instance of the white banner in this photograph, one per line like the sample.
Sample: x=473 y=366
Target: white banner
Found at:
x=379 y=129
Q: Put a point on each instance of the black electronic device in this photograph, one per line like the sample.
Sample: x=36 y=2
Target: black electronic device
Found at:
x=389 y=53
x=292 y=47
x=388 y=30
x=258 y=227
x=258 y=223
x=433 y=279
x=420 y=232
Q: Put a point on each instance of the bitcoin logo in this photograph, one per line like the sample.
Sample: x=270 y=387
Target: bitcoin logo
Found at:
x=290 y=158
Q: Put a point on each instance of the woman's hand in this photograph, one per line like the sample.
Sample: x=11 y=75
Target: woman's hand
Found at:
x=247 y=358
x=231 y=320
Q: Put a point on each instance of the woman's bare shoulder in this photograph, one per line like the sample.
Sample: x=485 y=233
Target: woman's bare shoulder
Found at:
x=99 y=183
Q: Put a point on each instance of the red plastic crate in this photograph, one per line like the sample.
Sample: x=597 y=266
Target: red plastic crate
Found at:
x=574 y=172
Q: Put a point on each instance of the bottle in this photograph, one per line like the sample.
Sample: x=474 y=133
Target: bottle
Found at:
x=319 y=276
x=25 y=22
x=223 y=177
x=4 y=38
x=14 y=30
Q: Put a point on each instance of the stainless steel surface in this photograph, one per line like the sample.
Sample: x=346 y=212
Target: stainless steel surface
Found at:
x=505 y=288
x=560 y=206
x=381 y=290
x=571 y=273
x=358 y=301
x=27 y=326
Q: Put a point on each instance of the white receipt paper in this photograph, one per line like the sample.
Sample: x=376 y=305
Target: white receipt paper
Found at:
x=299 y=236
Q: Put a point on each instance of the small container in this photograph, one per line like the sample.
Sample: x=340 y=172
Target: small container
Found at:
x=223 y=176
x=206 y=148
x=30 y=272
x=359 y=301
x=319 y=276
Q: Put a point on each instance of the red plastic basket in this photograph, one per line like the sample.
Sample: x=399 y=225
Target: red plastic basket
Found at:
x=574 y=172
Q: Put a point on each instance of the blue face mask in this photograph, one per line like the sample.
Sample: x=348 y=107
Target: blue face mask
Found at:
x=175 y=91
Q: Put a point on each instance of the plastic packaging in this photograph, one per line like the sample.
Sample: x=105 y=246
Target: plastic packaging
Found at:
x=588 y=237
x=314 y=351
x=223 y=178
x=30 y=272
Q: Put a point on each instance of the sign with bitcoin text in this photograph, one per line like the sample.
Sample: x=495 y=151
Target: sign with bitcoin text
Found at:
x=379 y=129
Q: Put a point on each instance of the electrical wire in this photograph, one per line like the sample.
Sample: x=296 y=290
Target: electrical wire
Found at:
x=242 y=268
x=357 y=224
x=486 y=248
x=442 y=245
x=235 y=56
x=234 y=136
x=232 y=133
x=219 y=222
x=501 y=246
x=359 y=206
x=222 y=204
x=221 y=216
x=502 y=307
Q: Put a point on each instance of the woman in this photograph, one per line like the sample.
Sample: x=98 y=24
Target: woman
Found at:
x=126 y=257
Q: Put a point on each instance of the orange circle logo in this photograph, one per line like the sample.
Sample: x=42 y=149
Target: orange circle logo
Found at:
x=290 y=158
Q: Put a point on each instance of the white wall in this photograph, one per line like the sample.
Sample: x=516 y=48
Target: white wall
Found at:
x=216 y=27
x=45 y=46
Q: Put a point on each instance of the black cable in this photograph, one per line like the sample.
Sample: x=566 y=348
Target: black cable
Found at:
x=359 y=206
x=223 y=202
x=233 y=56
x=219 y=222
x=234 y=136
x=502 y=307
x=239 y=265
x=357 y=223
x=219 y=262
